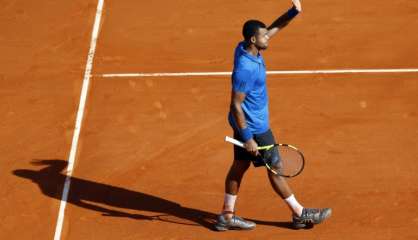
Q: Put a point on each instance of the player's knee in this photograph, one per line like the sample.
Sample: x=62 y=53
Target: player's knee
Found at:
x=276 y=164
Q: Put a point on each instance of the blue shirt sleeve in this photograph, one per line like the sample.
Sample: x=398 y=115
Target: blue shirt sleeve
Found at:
x=242 y=81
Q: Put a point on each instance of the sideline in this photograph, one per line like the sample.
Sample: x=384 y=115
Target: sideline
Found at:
x=80 y=113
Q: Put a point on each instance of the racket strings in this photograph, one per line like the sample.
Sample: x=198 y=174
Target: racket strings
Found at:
x=291 y=161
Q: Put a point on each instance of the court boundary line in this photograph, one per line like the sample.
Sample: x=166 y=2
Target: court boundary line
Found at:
x=282 y=72
x=79 y=118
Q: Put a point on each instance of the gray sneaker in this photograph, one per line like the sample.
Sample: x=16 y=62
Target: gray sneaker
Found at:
x=311 y=216
x=235 y=222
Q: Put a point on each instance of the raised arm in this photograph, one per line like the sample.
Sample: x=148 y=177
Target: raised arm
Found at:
x=284 y=19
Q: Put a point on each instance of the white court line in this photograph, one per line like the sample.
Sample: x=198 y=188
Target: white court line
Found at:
x=80 y=113
x=329 y=71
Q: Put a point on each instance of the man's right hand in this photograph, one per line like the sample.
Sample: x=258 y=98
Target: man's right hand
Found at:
x=251 y=146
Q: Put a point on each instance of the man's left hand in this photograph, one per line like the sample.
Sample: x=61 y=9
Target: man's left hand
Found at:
x=297 y=4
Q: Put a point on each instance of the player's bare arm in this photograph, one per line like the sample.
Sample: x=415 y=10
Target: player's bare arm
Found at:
x=236 y=100
x=284 y=19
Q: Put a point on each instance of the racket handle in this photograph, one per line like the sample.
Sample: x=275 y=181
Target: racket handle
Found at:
x=234 y=141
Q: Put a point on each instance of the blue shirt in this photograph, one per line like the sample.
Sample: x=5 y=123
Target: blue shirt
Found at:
x=249 y=77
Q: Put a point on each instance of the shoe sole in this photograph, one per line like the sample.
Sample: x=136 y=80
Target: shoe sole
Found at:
x=225 y=228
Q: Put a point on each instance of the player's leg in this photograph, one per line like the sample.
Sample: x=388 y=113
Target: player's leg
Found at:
x=232 y=185
x=235 y=174
x=282 y=188
x=227 y=219
x=279 y=184
x=302 y=217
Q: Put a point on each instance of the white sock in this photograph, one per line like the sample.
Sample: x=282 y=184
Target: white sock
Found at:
x=294 y=205
x=229 y=202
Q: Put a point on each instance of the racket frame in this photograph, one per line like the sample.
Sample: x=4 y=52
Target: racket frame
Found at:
x=267 y=147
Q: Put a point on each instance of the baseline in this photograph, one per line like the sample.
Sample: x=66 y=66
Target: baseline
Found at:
x=285 y=72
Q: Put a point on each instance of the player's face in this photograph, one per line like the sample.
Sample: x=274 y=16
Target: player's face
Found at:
x=261 y=39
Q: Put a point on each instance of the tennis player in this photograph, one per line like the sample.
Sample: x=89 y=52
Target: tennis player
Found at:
x=249 y=119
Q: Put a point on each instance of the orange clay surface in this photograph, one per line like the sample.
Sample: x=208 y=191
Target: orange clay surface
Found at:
x=151 y=158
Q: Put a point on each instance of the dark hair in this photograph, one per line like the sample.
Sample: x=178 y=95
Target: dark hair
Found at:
x=250 y=28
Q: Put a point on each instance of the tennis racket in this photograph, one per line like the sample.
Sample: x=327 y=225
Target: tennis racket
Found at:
x=292 y=159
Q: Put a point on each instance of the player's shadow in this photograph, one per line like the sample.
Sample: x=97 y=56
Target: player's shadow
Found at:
x=95 y=196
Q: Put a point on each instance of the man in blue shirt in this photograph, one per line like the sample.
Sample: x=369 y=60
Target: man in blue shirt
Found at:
x=249 y=118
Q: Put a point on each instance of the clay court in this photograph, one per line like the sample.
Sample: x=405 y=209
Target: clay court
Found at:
x=150 y=160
